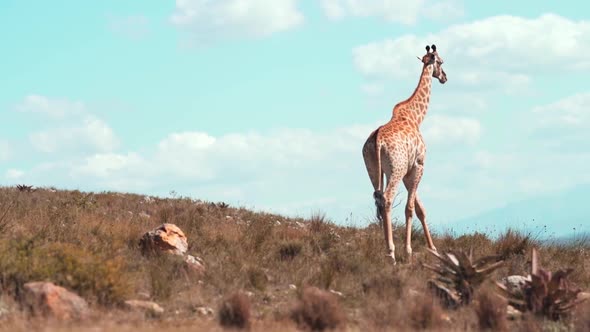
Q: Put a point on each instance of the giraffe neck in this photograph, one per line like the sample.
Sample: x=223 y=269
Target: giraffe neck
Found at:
x=418 y=102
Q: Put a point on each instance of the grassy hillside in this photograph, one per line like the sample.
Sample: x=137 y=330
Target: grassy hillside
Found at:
x=88 y=243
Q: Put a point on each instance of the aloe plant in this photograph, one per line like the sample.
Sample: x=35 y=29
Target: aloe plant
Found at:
x=544 y=293
x=459 y=275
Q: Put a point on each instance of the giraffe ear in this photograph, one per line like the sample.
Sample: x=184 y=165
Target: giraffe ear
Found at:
x=427 y=49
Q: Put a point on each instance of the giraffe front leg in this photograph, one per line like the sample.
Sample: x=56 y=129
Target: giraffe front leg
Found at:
x=411 y=181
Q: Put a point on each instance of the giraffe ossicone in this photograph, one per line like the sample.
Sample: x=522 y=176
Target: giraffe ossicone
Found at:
x=396 y=151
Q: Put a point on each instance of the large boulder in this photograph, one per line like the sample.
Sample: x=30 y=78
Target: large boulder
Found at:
x=164 y=238
x=47 y=299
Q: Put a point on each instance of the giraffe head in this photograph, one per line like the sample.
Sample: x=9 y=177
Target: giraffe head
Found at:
x=431 y=58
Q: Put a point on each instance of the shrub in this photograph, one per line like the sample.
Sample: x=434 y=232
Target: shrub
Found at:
x=235 y=311
x=512 y=243
x=318 y=310
x=290 y=250
x=162 y=271
x=91 y=275
x=257 y=278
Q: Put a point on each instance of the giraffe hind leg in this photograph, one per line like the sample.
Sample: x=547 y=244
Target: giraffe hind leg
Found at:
x=370 y=158
x=390 y=191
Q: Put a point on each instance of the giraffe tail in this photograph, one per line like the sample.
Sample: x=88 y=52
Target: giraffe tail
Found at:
x=378 y=194
x=380 y=204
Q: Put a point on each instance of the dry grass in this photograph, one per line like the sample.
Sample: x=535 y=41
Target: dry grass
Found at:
x=425 y=313
x=88 y=242
x=491 y=312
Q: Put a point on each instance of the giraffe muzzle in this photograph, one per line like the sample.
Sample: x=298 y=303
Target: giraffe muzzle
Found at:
x=443 y=77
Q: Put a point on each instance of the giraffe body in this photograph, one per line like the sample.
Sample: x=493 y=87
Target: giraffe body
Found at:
x=395 y=152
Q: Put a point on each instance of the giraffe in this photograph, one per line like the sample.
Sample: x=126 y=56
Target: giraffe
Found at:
x=397 y=150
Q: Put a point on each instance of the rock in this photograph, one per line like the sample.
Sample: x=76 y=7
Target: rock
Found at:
x=204 y=311
x=292 y=287
x=515 y=283
x=194 y=263
x=336 y=293
x=147 y=306
x=413 y=293
x=445 y=318
x=4 y=309
x=144 y=295
x=165 y=238
x=47 y=299
x=585 y=296
x=512 y=312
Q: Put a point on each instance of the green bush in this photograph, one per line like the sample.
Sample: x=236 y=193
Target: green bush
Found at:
x=92 y=276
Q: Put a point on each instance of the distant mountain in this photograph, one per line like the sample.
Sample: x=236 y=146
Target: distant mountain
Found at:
x=558 y=216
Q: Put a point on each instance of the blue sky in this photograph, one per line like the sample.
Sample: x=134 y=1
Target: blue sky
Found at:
x=267 y=104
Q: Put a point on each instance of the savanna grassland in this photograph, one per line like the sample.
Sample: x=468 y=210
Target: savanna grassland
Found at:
x=263 y=272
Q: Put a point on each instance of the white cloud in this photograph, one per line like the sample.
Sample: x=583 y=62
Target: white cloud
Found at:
x=132 y=27
x=400 y=11
x=208 y=20
x=74 y=128
x=108 y=164
x=500 y=51
x=52 y=107
x=14 y=174
x=571 y=112
x=451 y=130
x=372 y=89
x=5 y=151
x=92 y=133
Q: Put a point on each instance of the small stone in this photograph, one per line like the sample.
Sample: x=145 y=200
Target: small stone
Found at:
x=194 y=263
x=143 y=295
x=336 y=293
x=293 y=287
x=204 y=311
x=4 y=309
x=512 y=312
x=147 y=306
x=413 y=292
x=584 y=296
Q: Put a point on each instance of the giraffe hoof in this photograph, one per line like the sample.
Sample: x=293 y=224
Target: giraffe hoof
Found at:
x=391 y=258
